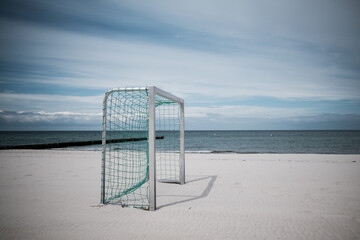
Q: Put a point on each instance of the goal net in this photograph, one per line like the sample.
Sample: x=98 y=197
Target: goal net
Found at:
x=143 y=141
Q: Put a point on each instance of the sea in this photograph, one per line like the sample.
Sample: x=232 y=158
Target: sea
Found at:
x=320 y=142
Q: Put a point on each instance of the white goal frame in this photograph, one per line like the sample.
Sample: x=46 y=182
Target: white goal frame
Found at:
x=152 y=93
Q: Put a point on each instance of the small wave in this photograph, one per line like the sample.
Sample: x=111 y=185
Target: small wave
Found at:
x=236 y=152
x=200 y=151
x=226 y=151
x=220 y=152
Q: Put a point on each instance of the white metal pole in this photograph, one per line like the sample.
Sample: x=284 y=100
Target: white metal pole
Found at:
x=104 y=148
x=152 y=149
x=182 y=143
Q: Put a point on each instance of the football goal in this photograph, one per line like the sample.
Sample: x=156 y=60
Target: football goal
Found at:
x=143 y=142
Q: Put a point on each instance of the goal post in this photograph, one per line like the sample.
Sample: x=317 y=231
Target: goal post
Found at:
x=143 y=142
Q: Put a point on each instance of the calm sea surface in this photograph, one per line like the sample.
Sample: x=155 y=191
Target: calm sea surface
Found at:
x=335 y=142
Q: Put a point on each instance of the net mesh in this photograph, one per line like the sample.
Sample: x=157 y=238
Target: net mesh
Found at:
x=126 y=153
x=168 y=149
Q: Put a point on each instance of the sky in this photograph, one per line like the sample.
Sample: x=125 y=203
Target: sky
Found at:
x=239 y=65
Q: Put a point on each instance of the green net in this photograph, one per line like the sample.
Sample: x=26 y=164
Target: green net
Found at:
x=125 y=171
x=167 y=149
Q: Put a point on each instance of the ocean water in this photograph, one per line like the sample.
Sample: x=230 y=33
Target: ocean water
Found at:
x=328 y=142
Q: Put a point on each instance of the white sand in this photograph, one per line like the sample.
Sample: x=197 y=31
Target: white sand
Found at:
x=50 y=195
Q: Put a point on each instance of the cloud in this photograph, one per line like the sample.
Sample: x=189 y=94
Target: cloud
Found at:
x=12 y=120
x=93 y=62
x=46 y=102
x=324 y=18
x=320 y=22
x=62 y=56
x=238 y=111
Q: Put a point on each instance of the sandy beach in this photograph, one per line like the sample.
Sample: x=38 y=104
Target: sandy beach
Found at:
x=46 y=194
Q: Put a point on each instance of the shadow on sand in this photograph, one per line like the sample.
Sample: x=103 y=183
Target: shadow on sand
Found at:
x=204 y=194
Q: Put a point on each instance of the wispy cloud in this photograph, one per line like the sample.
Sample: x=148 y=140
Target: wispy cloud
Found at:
x=19 y=120
x=45 y=102
x=179 y=70
x=11 y=120
x=62 y=56
x=238 y=111
x=112 y=63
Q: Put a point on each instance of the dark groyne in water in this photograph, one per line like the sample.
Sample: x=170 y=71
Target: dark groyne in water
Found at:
x=72 y=144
